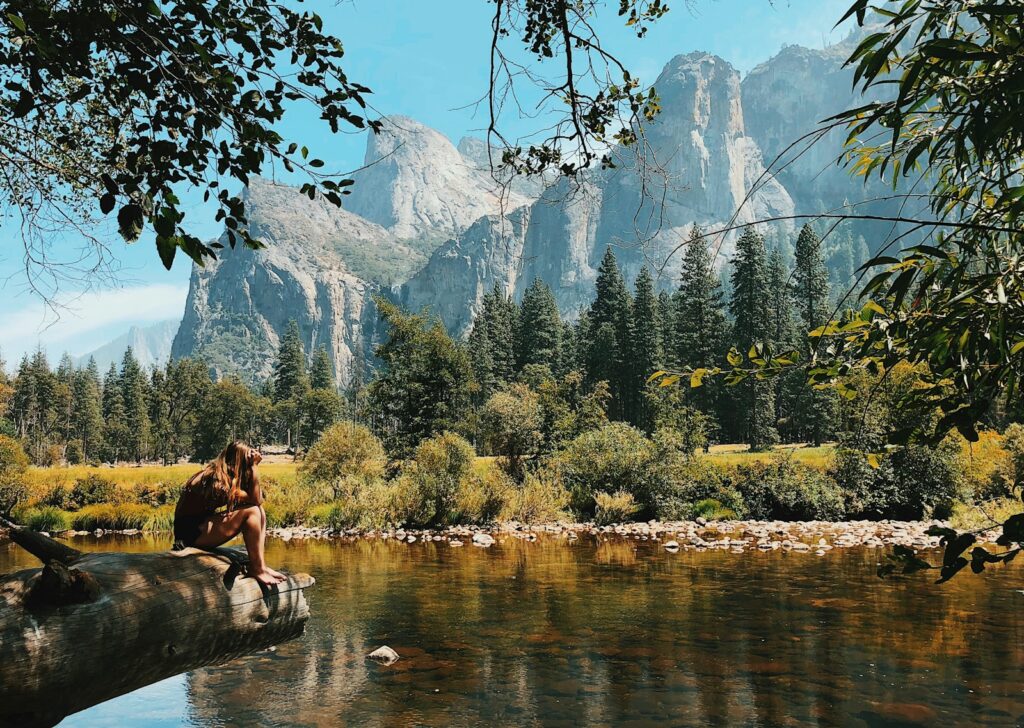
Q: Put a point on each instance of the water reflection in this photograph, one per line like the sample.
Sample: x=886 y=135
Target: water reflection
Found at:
x=618 y=632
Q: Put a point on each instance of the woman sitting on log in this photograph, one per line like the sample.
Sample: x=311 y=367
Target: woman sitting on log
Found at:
x=221 y=501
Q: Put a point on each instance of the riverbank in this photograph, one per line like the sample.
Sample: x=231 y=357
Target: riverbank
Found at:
x=816 y=537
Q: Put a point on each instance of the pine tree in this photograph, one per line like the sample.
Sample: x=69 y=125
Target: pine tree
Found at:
x=482 y=362
x=291 y=383
x=115 y=428
x=500 y=318
x=609 y=352
x=135 y=396
x=290 y=378
x=752 y=323
x=539 y=330
x=667 y=328
x=424 y=386
x=88 y=411
x=648 y=356
x=701 y=329
x=321 y=373
x=783 y=338
x=814 y=410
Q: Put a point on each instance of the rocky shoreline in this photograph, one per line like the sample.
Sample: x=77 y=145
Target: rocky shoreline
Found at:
x=818 y=537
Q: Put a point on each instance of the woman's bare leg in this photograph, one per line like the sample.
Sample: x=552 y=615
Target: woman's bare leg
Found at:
x=251 y=523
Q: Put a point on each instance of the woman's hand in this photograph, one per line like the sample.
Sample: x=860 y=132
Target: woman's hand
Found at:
x=256 y=456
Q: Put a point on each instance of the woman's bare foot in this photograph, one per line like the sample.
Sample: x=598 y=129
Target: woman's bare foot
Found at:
x=266 y=577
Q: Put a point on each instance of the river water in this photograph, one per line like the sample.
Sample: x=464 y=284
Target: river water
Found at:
x=615 y=632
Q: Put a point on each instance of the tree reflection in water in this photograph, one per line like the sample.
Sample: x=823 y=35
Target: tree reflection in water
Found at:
x=560 y=632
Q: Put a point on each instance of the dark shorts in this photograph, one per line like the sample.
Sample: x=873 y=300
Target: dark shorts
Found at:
x=186 y=530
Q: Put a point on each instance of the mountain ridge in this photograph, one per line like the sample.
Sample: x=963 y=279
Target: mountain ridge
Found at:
x=427 y=225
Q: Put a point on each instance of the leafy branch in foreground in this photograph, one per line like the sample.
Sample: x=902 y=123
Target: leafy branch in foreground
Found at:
x=121 y=102
x=904 y=560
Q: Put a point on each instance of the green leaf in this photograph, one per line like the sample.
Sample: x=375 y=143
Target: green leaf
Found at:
x=733 y=357
x=129 y=222
x=167 y=247
x=17 y=22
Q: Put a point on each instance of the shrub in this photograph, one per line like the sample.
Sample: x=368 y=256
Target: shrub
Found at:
x=614 y=508
x=345 y=450
x=541 y=498
x=45 y=518
x=613 y=458
x=57 y=497
x=712 y=510
x=13 y=468
x=111 y=517
x=91 y=490
x=1013 y=442
x=510 y=423
x=908 y=484
x=425 y=493
x=481 y=496
x=987 y=468
x=786 y=490
x=699 y=480
x=73 y=453
x=159 y=494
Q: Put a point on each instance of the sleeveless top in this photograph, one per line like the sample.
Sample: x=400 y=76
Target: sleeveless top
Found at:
x=203 y=497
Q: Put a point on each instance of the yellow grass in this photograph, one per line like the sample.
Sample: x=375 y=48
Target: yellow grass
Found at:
x=732 y=455
x=129 y=476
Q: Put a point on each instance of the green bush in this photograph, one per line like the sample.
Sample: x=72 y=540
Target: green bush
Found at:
x=345 y=452
x=57 y=497
x=45 y=518
x=613 y=458
x=111 y=517
x=786 y=490
x=73 y=452
x=92 y=490
x=909 y=483
x=13 y=467
x=540 y=499
x=511 y=423
x=614 y=508
x=425 y=493
x=481 y=496
x=697 y=481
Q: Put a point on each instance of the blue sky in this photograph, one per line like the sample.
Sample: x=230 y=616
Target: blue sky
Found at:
x=424 y=59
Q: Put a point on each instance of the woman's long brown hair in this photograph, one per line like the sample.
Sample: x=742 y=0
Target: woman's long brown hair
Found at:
x=229 y=473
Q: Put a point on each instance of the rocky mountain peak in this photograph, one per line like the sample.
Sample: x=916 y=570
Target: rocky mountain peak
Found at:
x=417 y=185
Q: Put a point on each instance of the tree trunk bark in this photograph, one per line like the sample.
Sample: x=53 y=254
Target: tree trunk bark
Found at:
x=88 y=627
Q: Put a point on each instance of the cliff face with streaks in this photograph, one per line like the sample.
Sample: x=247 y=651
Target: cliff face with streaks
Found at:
x=427 y=223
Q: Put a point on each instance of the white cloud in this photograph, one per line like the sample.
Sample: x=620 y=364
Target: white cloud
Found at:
x=87 y=321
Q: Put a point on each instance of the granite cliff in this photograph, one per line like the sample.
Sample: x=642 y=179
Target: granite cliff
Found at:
x=428 y=224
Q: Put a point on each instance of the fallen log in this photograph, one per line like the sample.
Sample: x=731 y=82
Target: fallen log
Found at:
x=88 y=627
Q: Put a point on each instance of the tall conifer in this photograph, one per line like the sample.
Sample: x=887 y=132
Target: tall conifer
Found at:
x=814 y=410
x=539 y=331
x=648 y=356
x=752 y=323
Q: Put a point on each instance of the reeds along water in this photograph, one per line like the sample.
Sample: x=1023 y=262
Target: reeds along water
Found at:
x=600 y=632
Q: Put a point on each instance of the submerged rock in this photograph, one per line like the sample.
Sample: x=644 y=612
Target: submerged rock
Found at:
x=384 y=655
